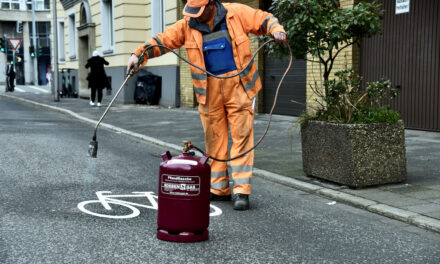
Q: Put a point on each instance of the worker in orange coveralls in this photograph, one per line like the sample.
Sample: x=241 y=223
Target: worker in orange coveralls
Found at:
x=215 y=36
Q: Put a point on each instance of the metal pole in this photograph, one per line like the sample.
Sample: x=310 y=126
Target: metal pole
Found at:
x=55 y=52
x=34 y=43
x=13 y=61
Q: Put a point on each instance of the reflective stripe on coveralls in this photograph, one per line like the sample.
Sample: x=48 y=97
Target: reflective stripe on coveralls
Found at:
x=228 y=106
x=150 y=52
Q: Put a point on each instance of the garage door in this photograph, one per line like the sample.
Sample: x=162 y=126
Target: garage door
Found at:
x=293 y=88
x=408 y=53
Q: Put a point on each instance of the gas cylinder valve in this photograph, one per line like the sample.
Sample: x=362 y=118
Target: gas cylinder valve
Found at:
x=187 y=146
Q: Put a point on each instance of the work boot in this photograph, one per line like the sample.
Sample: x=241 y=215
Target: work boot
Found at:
x=241 y=201
x=215 y=197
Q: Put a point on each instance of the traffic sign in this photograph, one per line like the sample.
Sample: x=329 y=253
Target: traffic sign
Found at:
x=15 y=42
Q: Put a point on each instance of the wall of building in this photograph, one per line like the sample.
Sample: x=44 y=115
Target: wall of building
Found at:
x=8 y=23
x=132 y=28
x=347 y=58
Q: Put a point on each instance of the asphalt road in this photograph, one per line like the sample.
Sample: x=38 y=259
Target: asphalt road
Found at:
x=45 y=173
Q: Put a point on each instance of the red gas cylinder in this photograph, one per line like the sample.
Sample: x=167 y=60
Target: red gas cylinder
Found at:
x=183 y=198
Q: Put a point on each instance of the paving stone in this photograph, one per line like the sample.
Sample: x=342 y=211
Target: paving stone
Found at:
x=437 y=201
x=365 y=192
x=398 y=186
x=428 y=194
x=435 y=214
x=435 y=187
x=424 y=208
x=409 y=188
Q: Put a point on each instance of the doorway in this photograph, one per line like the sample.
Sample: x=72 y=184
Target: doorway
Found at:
x=83 y=55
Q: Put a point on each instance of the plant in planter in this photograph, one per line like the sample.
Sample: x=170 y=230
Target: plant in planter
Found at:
x=351 y=137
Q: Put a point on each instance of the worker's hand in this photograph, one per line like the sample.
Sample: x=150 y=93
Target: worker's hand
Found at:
x=280 y=37
x=133 y=62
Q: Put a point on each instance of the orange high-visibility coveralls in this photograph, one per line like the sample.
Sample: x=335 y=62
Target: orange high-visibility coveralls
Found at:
x=223 y=103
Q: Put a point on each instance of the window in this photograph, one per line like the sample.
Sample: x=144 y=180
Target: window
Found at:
x=157 y=16
x=61 y=45
x=108 y=41
x=40 y=5
x=10 y=4
x=83 y=15
x=43 y=31
x=72 y=36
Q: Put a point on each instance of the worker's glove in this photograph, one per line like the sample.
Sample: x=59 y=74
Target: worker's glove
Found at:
x=134 y=63
x=280 y=37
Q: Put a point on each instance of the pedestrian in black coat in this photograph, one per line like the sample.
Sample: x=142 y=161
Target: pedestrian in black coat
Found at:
x=97 y=78
x=10 y=77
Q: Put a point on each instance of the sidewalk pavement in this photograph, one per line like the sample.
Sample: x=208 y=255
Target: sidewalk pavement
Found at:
x=277 y=158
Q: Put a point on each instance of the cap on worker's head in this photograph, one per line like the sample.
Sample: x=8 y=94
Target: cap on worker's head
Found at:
x=95 y=53
x=194 y=8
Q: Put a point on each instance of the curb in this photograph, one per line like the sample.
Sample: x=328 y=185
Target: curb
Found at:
x=409 y=217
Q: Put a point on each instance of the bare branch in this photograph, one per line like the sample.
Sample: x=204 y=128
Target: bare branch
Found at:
x=348 y=44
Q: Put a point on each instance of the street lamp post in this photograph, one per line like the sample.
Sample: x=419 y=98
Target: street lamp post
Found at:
x=34 y=43
x=55 y=52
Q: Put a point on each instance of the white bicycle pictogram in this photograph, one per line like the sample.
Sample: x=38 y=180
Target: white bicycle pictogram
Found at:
x=105 y=198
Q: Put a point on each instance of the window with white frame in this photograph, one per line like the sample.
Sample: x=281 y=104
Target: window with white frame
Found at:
x=61 y=43
x=10 y=4
x=157 y=16
x=108 y=40
x=40 y=5
x=72 y=36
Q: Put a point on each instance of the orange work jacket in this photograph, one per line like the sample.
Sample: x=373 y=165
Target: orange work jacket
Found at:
x=241 y=20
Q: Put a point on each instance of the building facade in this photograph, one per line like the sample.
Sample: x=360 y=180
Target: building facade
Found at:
x=406 y=51
x=16 y=24
x=115 y=29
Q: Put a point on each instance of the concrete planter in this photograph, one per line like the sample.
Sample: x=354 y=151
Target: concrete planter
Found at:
x=356 y=155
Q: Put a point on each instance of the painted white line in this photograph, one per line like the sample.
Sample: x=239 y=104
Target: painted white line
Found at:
x=19 y=90
x=39 y=89
x=105 y=199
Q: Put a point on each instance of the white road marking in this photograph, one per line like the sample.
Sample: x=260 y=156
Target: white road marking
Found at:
x=105 y=199
x=38 y=88
x=19 y=90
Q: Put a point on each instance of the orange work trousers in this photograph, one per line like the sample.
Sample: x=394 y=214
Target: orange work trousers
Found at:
x=228 y=106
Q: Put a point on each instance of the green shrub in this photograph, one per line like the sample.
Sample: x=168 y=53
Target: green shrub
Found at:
x=347 y=102
x=323 y=29
x=375 y=115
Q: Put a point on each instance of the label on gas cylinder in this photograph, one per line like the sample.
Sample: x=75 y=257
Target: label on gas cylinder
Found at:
x=180 y=185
